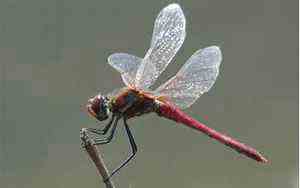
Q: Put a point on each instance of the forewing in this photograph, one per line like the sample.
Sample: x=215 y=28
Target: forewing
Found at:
x=196 y=77
x=127 y=65
x=168 y=36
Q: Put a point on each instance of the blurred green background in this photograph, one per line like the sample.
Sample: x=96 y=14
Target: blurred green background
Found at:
x=53 y=58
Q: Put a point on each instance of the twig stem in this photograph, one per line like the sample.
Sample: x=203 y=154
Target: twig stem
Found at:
x=95 y=155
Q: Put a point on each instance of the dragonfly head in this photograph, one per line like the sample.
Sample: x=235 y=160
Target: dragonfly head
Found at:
x=98 y=107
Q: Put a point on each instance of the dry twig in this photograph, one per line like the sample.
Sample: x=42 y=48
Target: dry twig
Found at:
x=96 y=157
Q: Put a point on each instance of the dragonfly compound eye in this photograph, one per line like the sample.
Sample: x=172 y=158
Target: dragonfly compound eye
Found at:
x=98 y=107
x=101 y=109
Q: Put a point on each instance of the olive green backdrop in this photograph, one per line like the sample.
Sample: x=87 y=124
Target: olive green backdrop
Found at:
x=53 y=58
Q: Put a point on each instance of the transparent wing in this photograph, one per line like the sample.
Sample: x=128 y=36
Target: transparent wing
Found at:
x=196 y=77
x=127 y=65
x=168 y=36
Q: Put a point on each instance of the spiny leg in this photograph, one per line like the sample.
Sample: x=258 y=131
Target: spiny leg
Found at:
x=133 y=150
x=100 y=141
x=104 y=130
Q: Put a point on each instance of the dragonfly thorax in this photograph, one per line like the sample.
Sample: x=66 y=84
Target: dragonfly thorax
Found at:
x=130 y=102
x=98 y=107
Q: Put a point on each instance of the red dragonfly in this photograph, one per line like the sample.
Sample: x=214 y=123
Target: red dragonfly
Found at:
x=195 y=78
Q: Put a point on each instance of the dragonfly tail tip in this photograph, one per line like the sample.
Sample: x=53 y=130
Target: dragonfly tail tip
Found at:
x=262 y=159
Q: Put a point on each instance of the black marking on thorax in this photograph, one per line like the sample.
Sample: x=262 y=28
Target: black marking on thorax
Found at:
x=136 y=104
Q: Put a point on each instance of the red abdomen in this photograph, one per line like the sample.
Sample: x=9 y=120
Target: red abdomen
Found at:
x=170 y=111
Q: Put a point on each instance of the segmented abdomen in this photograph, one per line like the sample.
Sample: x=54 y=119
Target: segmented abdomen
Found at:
x=170 y=111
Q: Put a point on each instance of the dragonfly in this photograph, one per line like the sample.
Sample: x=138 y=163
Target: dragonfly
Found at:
x=195 y=78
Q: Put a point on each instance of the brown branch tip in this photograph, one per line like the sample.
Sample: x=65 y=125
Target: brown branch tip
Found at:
x=95 y=154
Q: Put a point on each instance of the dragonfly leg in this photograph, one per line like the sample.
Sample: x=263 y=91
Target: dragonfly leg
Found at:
x=133 y=150
x=100 y=141
x=103 y=131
